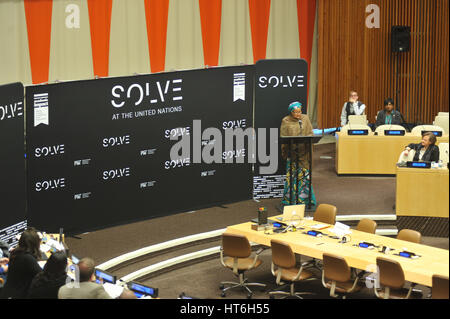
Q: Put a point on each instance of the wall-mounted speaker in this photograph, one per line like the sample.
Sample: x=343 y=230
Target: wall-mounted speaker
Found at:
x=401 y=38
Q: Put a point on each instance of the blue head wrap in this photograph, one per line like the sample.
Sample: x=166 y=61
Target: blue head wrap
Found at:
x=294 y=105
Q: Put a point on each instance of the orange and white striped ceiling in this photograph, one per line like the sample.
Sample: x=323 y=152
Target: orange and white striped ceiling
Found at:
x=50 y=40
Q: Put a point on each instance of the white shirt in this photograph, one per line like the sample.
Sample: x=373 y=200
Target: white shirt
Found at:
x=422 y=151
x=359 y=110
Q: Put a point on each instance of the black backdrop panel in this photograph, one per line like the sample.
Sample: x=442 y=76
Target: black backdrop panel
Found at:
x=99 y=150
x=12 y=161
x=277 y=84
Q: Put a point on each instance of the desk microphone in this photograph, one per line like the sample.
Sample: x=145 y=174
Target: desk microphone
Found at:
x=300 y=123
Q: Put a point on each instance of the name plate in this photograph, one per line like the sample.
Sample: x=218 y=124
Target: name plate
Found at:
x=418 y=164
x=437 y=133
x=358 y=132
x=394 y=132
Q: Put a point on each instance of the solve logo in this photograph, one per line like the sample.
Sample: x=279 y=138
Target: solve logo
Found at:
x=51 y=184
x=11 y=111
x=52 y=150
x=116 y=173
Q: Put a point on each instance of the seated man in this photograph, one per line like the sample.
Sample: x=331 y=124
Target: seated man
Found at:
x=389 y=115
x=88 y=288
x=352 y=107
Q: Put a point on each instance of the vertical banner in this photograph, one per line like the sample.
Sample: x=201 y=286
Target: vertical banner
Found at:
x=156 y=16
x=123 y=149
x=259 y=23
x=38 y=14
x=12 y=162
x=277 y=84
x=210 y=14
x=306 y=13
x=100 y=26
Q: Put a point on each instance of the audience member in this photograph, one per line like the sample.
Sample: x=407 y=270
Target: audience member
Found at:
x=4 y=249
x=47 y=283
x=389 y=115
x=23 y=265
x=426 y=151
x=352 y=107
x=4 y=260
x=87 y=288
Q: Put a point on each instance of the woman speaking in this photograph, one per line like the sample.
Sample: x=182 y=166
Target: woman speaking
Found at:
x=296 y=124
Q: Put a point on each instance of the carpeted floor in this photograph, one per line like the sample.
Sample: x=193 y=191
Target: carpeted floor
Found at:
x=351 y=194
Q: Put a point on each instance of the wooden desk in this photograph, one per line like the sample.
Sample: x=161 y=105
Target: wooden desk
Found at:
x=422 y=192
x=372 y=154
x=432 y=260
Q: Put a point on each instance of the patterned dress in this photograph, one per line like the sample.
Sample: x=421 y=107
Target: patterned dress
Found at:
x=290 y=126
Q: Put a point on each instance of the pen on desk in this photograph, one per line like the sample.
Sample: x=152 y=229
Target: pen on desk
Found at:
x=319 y=244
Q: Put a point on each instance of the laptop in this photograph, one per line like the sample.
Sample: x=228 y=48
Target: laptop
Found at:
x=293 y=213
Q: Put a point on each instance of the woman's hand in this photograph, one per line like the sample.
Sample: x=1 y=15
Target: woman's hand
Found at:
x=406 y=152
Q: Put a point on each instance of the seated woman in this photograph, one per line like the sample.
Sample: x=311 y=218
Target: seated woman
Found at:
x=45 y=285
x=296 y=124
x=426 y=151
x=23 y=266
x=389 y=115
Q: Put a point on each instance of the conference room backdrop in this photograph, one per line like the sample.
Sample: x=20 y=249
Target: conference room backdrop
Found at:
x=12 y=161
x=100 y=151
x=61 y=40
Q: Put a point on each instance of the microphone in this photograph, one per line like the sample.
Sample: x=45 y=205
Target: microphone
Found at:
x=300 y=123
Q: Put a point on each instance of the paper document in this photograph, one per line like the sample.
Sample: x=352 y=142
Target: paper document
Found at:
x=44 y=248
x=319 y=226
x=113 y=290
x=55 y=244
x=340 y=229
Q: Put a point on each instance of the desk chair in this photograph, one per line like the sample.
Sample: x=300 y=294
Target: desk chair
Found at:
x=442 y=121
x=392 y=279
x=357 y=119
x=380 y=129
x=336 y=276
x=325 y=213
x=367 y=225
x=417 y=130
x=440 y=287
x=443 y=152
x=238 y=250
x=284 y=268
x=409 y=235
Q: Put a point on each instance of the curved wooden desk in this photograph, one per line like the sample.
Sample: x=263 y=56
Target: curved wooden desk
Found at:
x=372 y=154
x=432 y=260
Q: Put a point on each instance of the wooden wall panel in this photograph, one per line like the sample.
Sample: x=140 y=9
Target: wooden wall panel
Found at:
x=354 y=57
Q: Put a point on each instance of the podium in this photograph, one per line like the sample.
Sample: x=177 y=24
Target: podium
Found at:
x=308 y=141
